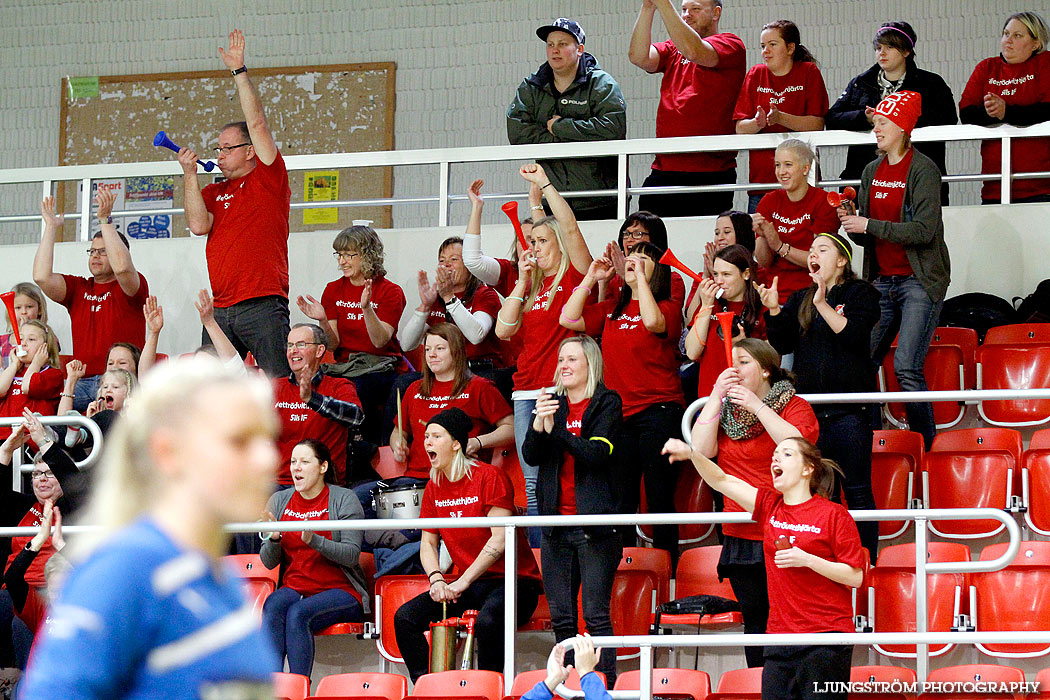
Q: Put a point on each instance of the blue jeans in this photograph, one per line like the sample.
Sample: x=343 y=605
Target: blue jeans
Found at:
x=522 y=422
x=260 y=326
x=85 y=392
x=291 y=621
x=906 y=307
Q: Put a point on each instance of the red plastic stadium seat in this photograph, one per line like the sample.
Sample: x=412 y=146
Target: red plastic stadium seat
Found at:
x=880 y=674
x=973 y=468
x=291 y=686
x=1042 y=681
x=457 y=684
x=1015 y=599
x=1019 y=333
x=632 y=607
x=896 y=458
x=391 y=686
x=527 y=680
x=368 y=567
x=656 y=563
x=1017 y=366
x=259 y=581
x=970 y=673
x=385 y=465
x=691 y=495
x=679 y=682
x=507 y=459
x=891 y=596
x=391 y=593
x=1035 y=482
x=739 y=684
x=949 y=366
x=697 y=575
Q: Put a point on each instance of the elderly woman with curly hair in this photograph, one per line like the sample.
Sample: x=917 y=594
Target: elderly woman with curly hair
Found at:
x=360 y=312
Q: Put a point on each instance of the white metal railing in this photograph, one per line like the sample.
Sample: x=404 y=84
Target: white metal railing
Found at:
x=444 y=158
x=17 y=468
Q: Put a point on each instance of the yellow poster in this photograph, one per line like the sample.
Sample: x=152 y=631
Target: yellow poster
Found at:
x=321 y=186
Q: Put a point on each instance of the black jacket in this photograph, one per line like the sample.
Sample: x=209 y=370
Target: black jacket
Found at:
x=938 y=108
x=827 y=362
x=599 y=478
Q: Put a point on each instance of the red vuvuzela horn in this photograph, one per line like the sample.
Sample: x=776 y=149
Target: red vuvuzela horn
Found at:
x=725 y=320
x=668 y=258
x=511 y=210
x=9 y=302
x=845 y=199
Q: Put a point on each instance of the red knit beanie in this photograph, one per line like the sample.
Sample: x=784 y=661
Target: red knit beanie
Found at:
x=902 y=108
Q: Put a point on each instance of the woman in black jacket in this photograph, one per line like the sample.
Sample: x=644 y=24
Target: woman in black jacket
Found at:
x=572 y=439
x=894 y=70
x=828 y=326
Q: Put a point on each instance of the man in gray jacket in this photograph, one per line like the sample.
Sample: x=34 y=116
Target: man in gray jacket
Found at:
x=570 y=98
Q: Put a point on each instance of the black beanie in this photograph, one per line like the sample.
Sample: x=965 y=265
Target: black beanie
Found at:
x=457 y=423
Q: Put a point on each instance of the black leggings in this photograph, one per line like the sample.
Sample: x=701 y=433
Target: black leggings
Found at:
x=749 y=587
x=845 y=436
x=806 y=672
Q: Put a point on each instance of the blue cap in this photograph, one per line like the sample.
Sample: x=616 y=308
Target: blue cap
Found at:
x=563 y=25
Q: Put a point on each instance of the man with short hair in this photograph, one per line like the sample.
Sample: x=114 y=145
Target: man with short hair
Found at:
x=311 y=404
x=703 y=71
x=570 y=98
x=105 y=308
x=245 y=219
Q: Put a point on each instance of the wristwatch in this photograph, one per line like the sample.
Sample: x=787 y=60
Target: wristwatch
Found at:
x=242 y=69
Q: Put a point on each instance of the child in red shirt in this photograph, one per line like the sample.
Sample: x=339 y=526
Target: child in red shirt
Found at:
x=813 y=559
x=33 y=381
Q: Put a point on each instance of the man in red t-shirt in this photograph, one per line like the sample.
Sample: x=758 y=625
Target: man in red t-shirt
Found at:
x=702 y=73
x=105 y=308
x=245 y=218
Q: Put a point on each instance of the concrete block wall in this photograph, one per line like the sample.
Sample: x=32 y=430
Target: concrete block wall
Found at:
x=458 y=63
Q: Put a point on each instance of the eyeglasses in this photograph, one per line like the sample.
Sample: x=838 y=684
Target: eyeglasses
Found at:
x=226 y=150
x=344 y=255
x=42 y=475
x=101 y=252
x=301 y=345
x=639 y=235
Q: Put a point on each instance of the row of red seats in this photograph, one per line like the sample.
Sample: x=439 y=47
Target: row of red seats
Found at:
x=1011 y=357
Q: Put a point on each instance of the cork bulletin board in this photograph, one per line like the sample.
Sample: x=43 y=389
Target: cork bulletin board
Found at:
x=310 y=109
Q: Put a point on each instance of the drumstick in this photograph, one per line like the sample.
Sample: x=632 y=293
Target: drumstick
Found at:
x=400 y=420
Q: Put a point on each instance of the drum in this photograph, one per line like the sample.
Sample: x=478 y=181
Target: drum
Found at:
x=397 y=502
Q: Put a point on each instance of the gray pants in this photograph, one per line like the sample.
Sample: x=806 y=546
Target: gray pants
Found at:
x=259 y=326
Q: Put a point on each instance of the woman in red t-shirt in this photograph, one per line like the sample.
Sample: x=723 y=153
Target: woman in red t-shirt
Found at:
x=788 y=219
x=639 y=330
x=733 y=276
x=29 y=303
x=752 y=408
x=322 y=582
x=553 y=267
x=813 y=560
x=462 y=487
x=360 y=312
x=34 y=380
x=785 y=92
x=1013 y=88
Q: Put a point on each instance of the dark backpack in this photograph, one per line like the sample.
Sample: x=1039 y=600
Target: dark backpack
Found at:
x=978 y=311
x=1034 y=308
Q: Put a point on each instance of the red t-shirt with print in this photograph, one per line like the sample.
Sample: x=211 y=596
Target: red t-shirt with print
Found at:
x=486 y=301
x=45 y=389
x=100 y=315
x=480 y=400
x=697 y=100
x=307 y=571
x=567 y=473
x=247 y=248
x=750 y=460
x=640 y=366
x=800 y=92
x=472 y=497
x=541 y=333
x=797 y=223
x=801 y=601
x=299 y=421
x=1018 y=84
x=35 y=573
x=884 y=202
x=342 y=303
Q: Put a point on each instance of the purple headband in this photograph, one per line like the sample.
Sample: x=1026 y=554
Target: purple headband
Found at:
x=899 y=31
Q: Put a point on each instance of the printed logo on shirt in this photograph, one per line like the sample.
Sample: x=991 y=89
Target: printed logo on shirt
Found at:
x=321 y=514
x=894 y=184
x=1011 y=81
x=225 y=199
x=95 y=300
x=778 y=96
x=840 y=309
x=351 y=316
x=541 y=300
x=452 y=502
x=574 y=424
x=795 y=527
x=567 y=101
x=627 y=323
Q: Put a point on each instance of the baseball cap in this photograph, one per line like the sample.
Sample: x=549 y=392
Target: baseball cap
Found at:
x=563 y=25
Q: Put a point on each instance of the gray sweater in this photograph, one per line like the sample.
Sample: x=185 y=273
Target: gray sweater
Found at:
x=343 y=549
x=921 y=228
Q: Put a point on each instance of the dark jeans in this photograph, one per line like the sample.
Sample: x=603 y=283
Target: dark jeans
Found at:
x=845 y=436
x=374 y=389
x=692 y=203
x=291 y=621
x=906 y=307
x=571 y=559
x=644 y=435
x=486 y=596
x=259 y=326
x=800 y=672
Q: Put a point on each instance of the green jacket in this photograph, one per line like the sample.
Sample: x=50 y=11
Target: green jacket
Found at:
x=592 y=109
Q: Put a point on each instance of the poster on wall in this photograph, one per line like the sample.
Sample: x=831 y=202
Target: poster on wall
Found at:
x=150 y=192
x=321 y=186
